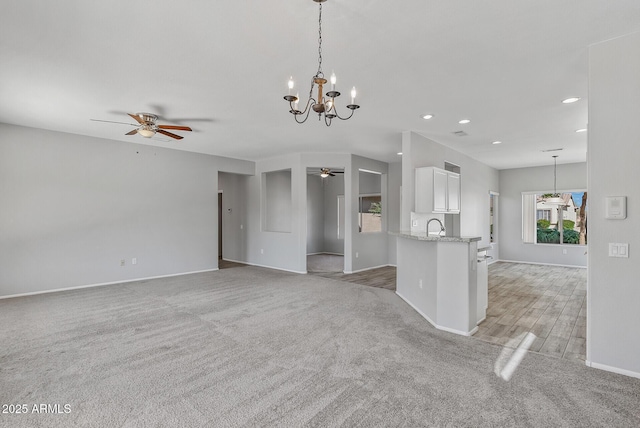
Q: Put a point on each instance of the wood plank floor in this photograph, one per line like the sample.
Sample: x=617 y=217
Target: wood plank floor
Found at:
x=384 y=277
x=331 y=266
x=547 y=301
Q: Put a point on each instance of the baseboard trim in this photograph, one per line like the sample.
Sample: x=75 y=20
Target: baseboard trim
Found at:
x=439 y=327
x=369 y=268
x=265 y=266
x=613 y=369
x=325 y=252
x=78 y=287
x=543 y=264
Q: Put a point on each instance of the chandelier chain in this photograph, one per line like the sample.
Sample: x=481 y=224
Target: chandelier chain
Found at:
x=320 y=73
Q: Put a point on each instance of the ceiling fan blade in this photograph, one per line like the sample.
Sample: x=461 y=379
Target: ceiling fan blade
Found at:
x=111 y=121
x=136 y=117
x=177 y=128
x=338 y=172
x=331 y=174
x=135 y=131
x=169 y=134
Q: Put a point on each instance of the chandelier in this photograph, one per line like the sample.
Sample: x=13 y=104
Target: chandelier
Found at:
x=324 y=105
x=555 y=198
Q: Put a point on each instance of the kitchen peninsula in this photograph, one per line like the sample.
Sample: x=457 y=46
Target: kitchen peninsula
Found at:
x=436 y=275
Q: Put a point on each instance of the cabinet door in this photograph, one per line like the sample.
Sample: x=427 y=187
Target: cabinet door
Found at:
x=424 y=190
x=439 y=190
x=453 y=193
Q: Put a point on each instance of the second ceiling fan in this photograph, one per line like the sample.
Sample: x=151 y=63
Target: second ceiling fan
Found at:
x=326 y=172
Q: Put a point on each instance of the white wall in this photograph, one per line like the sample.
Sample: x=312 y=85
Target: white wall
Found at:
x=280 y=250
x=476 y=181
x=394 y=186
x=515 y=181
x=613 y=313
x=368 y=250
x=369 y=184
x=315 y=214
x=276 y=201
x=73 y=207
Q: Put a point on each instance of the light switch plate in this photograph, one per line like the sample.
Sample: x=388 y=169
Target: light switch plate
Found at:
x=619 y=250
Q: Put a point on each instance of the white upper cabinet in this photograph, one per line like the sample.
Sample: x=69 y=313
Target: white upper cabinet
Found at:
x=437 y=191
x=453 y=192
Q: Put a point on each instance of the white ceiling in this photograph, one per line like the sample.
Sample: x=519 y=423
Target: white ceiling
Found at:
x=222 y=67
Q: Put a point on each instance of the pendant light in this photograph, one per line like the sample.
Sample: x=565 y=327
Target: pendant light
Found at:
x=555 y=198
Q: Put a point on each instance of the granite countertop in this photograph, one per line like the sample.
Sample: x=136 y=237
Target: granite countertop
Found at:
x=422 y=236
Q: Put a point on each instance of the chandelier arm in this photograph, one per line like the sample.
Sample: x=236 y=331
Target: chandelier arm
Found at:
x=340 y=117
x=305 y=112
x=327 y=120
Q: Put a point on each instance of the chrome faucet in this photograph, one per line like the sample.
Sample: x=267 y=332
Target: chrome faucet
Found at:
x=442 y=229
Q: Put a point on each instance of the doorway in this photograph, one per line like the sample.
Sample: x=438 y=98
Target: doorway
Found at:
x=494 y=198
x=325 y=219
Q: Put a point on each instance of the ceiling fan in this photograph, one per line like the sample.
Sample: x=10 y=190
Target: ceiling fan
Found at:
x=326 y=172
x=147 y=126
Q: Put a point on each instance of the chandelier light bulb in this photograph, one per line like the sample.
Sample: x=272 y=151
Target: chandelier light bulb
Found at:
x=333 y=81
x=290 y=84
x=353 y=95
x=329 y=106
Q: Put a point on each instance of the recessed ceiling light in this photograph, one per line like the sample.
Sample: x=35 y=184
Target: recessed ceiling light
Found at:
x=464 y=121
x=570 y=100
x=399 y=153
x=581 y=130
x=497 y=142
x=427 y=116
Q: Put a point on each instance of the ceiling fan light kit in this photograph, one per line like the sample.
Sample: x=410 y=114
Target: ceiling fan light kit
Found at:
x=324 y=105
x=326 y=172
x=147 y=126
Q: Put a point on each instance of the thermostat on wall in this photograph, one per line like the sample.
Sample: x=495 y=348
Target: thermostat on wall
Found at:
x=616 y=207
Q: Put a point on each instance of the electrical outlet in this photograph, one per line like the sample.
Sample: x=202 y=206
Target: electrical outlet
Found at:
x=420 y=284
x=357 y=254
x=122 y=262
x=564 y=251
x=134 y=261
x=415 y=223
x=261 y=250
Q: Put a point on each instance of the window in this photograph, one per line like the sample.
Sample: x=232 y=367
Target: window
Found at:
x=554 y=224
x=369 y=201
x=370 y=213
x=543 y=214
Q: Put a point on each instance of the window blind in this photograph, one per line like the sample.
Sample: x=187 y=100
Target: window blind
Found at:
x=528 y=218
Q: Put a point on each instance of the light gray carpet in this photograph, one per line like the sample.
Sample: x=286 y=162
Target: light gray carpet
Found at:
x=325 y=263
x=256 y=347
